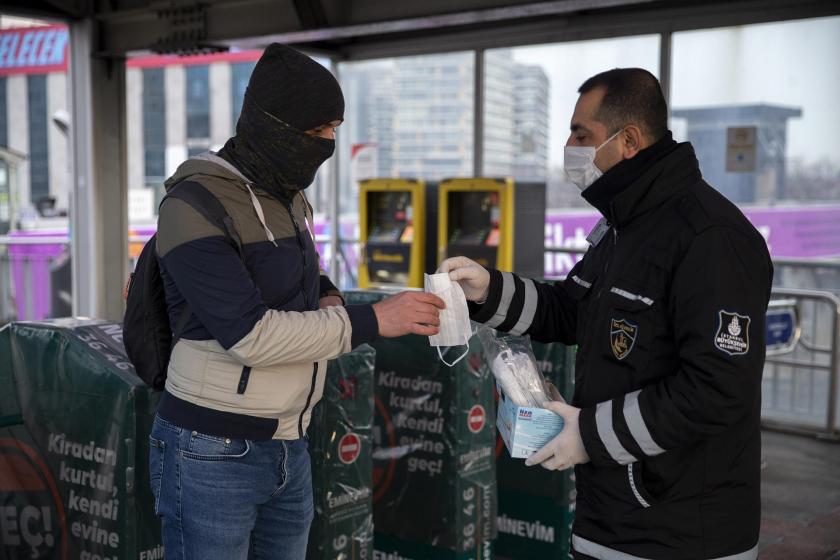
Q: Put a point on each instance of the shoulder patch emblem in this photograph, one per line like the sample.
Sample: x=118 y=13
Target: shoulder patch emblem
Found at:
x=622 y=337
x=733 y=333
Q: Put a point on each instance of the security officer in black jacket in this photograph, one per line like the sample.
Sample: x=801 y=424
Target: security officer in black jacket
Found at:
x=667 y=308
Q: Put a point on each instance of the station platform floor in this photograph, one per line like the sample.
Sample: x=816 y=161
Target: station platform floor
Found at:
x=800 y=498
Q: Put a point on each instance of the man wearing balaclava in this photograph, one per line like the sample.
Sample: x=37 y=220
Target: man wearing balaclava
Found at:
x=255 y=321
x=667 y=309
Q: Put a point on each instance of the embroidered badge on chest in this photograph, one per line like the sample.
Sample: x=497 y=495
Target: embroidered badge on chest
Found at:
x=622 y=337
x=733 y=333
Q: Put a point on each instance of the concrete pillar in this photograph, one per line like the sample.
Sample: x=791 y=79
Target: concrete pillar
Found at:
x=18 y=111
x=175 y=92
x=57 y=138
x=100 y=191
x=134 y=127
x=221 y=112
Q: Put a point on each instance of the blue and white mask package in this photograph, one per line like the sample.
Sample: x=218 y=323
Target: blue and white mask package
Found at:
x=523 y=421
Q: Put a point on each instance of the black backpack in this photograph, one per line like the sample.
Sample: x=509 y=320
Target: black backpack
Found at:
x=147 y=335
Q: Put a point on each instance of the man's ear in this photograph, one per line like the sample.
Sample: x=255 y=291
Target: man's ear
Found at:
x=633 y=141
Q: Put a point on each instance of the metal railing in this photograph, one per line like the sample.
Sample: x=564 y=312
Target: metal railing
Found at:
x=345 y=276
x=800 y=383
x=800 y=387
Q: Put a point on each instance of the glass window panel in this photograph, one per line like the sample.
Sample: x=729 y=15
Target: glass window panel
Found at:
x=759 y=104
x=35 y=258
x=198 y=101
x=154 y=125
x=767 y=78
x=240 y=74
x=39 y=156
x=529 y=96
x=4 y=119
x=405 y=117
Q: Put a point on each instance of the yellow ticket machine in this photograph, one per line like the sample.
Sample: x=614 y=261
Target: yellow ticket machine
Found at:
x=392 y=226
x=495 y=222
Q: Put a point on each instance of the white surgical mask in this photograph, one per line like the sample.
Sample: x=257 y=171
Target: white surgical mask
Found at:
x=455 y=327
x=579 y=164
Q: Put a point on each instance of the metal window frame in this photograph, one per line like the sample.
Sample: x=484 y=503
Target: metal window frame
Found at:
x=585 y=26
x=99 y=197
x=663 y=23
x=573 y=26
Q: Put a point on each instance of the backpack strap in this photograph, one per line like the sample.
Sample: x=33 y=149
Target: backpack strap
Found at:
x=205 y=203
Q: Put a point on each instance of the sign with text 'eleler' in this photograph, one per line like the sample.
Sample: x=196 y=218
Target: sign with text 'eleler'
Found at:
x=34 y=50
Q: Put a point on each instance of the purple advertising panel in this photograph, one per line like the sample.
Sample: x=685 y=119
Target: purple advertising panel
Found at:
x=799 y=231
x=790 y=231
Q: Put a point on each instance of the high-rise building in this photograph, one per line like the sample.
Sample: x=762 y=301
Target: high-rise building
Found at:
x=433 y=116
x=418 y=112
x=369 y=93
x=530 y=123
x=499 y=113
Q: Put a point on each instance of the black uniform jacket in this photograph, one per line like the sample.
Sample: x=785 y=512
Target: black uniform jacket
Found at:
x=668 y=310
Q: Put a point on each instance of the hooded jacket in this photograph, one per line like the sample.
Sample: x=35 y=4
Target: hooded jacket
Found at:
x=251 y=360
x=667 y=308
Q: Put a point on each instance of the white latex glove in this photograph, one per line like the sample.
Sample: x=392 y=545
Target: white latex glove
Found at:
x=473 y=278
x=566 y=450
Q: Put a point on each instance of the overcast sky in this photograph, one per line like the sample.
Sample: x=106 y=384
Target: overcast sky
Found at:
x=793 y=64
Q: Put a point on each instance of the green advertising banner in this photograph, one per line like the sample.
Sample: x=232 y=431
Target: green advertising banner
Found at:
x=9 y=404
x=399 y=439
x=532 y=526
x=434 y=435
x=536 y=506
x=73 y=476
x=342 y=471
x=390 y=548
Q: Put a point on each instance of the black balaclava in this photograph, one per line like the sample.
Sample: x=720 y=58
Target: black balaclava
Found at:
x=288 y=93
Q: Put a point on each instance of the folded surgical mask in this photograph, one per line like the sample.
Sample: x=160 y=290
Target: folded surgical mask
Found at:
x=579 y=164
x=455 y=327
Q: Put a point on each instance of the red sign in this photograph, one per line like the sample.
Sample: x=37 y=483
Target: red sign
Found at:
x=34 y=50
x=476 y=419
x=160 y=61
x=32 y=515
x=383 y=467
x=349 y=448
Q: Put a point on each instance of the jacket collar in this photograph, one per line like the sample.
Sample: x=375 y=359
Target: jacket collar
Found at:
x=644 y=182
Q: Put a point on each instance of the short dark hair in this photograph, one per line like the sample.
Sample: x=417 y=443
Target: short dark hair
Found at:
x=631 y=95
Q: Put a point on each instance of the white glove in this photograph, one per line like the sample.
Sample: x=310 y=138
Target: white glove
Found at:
x=566 y=449
x=473 y=278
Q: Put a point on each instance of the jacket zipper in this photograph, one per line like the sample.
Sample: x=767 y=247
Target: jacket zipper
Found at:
x=308 y=399
x=302 y=254
x=607 y=262
x=600 y=282
x=306 y=303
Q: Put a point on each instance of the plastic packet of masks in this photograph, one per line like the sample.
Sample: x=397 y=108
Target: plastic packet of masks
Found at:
x=515 y=369
x=524 y=423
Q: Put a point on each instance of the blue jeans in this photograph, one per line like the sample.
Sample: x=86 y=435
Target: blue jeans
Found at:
x=230 y=499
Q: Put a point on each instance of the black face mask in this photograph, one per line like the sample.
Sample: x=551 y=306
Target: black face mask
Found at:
x=279 y=158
